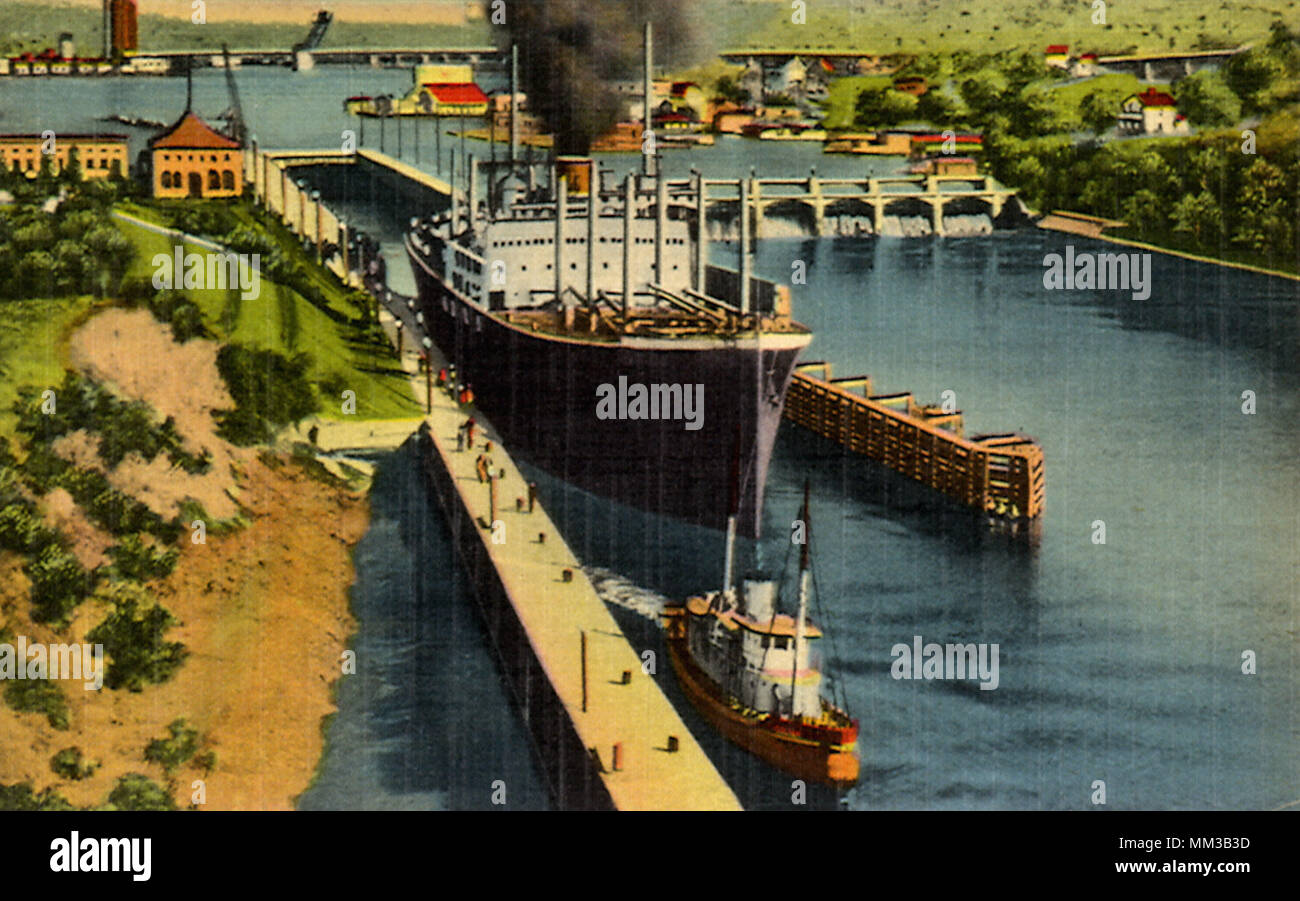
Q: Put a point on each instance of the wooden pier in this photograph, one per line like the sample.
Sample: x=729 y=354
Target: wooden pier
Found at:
x=1000 y=475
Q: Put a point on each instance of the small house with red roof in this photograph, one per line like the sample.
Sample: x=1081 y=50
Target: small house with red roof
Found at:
x=445 y=98
x=1084 y=67
x=1057 y=55
x=1151 y=112
x=191 y=159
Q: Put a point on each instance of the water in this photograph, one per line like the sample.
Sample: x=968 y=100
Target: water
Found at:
x=1119 y=663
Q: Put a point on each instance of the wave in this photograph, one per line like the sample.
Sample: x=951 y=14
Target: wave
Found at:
x=615 y=589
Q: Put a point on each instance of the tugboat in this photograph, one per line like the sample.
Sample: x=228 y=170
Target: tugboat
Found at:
x=752 y=672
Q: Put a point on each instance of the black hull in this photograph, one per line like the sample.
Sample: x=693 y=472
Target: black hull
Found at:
x=540 y=392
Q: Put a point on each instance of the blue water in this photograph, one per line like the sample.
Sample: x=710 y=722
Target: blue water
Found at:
x=1118 y=662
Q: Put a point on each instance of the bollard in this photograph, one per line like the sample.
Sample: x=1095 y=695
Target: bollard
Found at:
x=519 y=505
x=567 y=575
x=541 y=538
x=618 y=756
x=672 y=744
x=627 y=677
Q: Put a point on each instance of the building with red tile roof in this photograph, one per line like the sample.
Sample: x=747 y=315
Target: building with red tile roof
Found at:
x=191 y=159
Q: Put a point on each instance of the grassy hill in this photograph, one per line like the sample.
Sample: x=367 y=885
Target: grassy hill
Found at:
x=916 y=26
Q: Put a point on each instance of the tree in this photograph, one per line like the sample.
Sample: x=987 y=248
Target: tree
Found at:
x=1200 y=215
x=1250 y=75
x=936 y=107
x=985 y=91
x=1266 y=223
x=883 y=107
x=727 y=88
x=1100 y=106
x=1207 y=100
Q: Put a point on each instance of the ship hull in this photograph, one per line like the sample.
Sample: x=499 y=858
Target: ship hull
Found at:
x=542 y=394
x=813 y=762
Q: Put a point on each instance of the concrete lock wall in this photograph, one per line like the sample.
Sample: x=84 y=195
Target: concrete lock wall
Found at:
x=570 y=771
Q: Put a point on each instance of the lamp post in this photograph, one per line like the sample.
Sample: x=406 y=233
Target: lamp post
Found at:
x=428 y=376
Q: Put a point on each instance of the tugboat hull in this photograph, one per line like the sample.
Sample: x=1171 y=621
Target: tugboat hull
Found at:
x=823 y=763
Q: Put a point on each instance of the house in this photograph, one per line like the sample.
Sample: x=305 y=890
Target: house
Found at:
x=1152 y=113
x=946 y=165
x=688 y=96
x=98 y=156
x=1084 y=67
x=190 y=159
x=1058 y=56
x=452 y=99
x=928 y=144
x=787 y=78
x=673 y=122
x=916 y=85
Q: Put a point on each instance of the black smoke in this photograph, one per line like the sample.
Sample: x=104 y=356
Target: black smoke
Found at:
x=571 y=51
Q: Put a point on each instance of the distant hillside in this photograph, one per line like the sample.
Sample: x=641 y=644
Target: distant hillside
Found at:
x=34 y=26
x=888 y=26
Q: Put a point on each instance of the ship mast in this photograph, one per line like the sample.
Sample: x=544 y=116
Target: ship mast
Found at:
x=733 y=510
x=804 y=577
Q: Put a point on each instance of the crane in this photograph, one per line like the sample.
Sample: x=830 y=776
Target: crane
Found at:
x=317 y=33
x=234 y=116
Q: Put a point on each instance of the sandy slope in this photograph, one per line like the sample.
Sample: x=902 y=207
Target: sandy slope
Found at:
x=263 y=610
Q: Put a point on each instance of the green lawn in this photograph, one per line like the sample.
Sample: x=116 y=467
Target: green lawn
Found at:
x=280 y=319
x=31 y=347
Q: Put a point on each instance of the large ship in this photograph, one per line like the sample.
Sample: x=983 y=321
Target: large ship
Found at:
x=754 y=673
x=596 y=338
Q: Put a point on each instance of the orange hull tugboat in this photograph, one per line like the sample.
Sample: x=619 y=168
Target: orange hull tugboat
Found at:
x=751 y=672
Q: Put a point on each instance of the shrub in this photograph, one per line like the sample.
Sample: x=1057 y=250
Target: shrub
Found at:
x=133 y=637
x=133 y=559
x=70 y=764
x=270 y=391
x=136 y=791
x=59 y=584
x=22 y=797
x=172 y=752
x=38 y=696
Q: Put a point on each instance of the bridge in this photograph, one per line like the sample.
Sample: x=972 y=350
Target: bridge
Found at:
x=393 y=57
x=1167 y=66
x=813 y=199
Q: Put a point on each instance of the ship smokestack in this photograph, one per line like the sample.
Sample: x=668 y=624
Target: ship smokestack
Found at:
x=575 y=171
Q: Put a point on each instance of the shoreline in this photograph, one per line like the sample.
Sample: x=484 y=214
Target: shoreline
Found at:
x=1129 y=242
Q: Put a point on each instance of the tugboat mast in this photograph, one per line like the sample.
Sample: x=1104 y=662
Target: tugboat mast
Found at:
x=804 y=577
